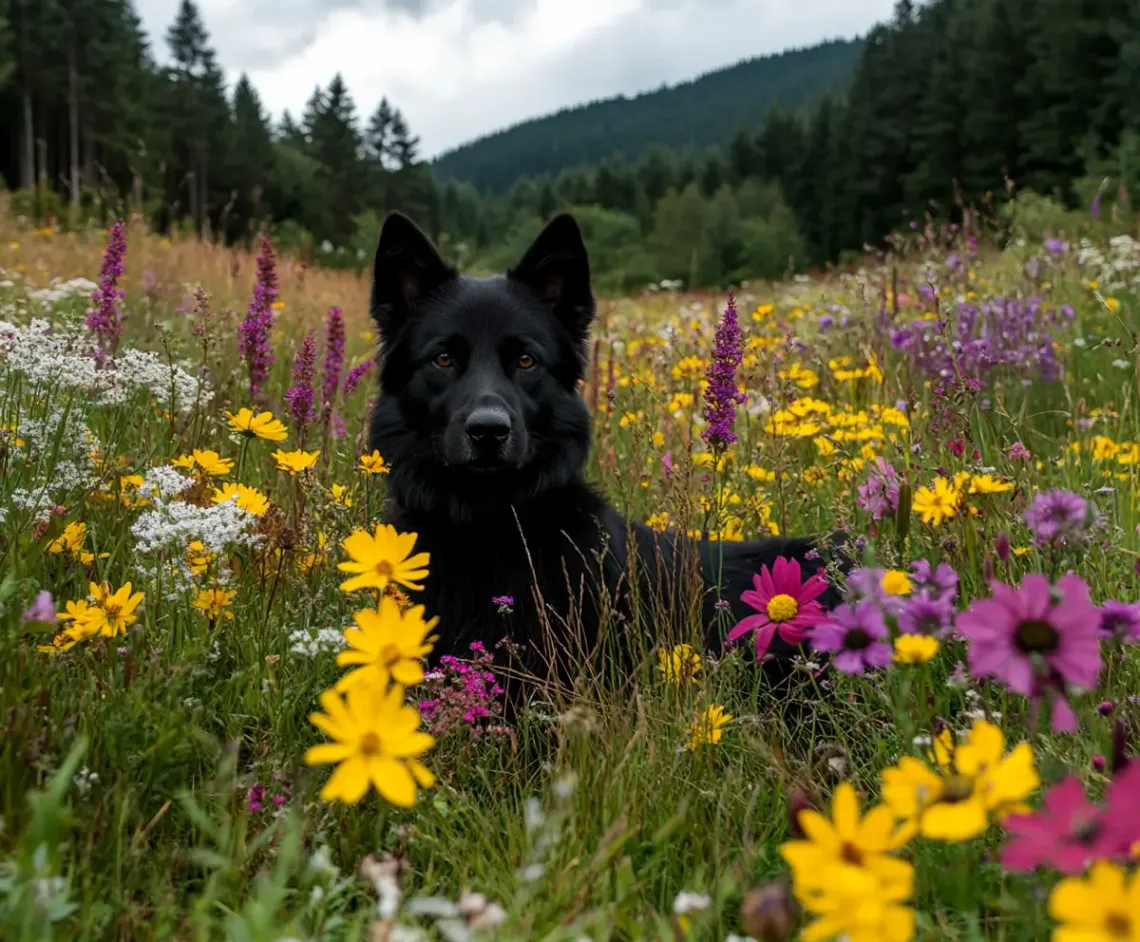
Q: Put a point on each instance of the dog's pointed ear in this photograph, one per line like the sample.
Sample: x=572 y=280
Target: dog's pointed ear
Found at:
x=407 y=269
x=557 y=268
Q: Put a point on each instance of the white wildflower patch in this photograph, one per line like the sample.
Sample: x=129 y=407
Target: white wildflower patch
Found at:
x=313 y=642
x=1114 y=268
x=65 y=359
x=169 y=527
x=59 y=292
x=164 y=482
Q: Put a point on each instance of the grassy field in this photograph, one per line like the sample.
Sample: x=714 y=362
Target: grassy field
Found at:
x=153 y=775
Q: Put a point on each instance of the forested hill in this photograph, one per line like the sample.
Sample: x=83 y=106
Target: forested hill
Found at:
x=688 y=117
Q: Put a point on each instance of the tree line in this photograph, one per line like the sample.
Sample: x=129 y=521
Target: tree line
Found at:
x=951 y=104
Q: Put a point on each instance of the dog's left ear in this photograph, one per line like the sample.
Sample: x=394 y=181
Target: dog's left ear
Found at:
x=407 y=269
x=557 y=268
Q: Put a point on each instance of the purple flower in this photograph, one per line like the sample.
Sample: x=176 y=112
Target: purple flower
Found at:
x=923 y=614
x=42 y=611
x=1120 y=620
x=880 y=495
x=1056 y=247
x=1036 y=639
x=300 y=396
x=940 y=583
x=253 y=332
x=355 y=375
x=255 y=798
x=104 y=318
x=334 y=361
x=858 y=635
x=722 y=396
x=504 y=603
x=866 y=585
x=1057 y=516
x=1018 y=452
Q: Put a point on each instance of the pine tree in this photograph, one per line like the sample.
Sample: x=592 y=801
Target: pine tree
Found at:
x=335 y=143
x=252 y=156
x=198 y=112
x=403 y=146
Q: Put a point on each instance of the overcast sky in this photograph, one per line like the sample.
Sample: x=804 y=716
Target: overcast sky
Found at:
x=462 y=68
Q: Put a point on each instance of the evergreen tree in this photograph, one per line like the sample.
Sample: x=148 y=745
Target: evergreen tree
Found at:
x=334 y=142
x=198 y=111
x=252 y=150
x=403 y=146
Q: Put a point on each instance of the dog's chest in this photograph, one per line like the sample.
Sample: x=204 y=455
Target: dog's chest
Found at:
x=529 y=587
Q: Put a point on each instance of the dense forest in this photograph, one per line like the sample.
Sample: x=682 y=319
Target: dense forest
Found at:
x=952 y=103
x=686 y=118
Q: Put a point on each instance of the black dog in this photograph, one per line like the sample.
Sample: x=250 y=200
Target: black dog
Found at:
x=480 y=418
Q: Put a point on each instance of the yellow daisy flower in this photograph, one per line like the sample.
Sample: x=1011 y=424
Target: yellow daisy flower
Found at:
x=295 y=461
x=381 y=558
x=373 y=464
x=249 y=499
x=261 y=425
x=388 y=644
x=377 y=742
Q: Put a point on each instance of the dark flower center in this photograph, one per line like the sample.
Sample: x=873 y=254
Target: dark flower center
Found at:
x=857 y=640
x=1118 y=925
x=370 y=743
x=1086 y=830
x=851 y=854
x=1036 y=637
x=956 y=789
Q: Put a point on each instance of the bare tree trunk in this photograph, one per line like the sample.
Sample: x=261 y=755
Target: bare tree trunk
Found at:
x=73 y=122
x=28 y=156
x=204 y=200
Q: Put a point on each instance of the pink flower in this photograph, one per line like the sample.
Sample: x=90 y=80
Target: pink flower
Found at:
x=1070 y=832
x=857 y=635
x=1037 y=638
x=785 y=603
x=42 y=611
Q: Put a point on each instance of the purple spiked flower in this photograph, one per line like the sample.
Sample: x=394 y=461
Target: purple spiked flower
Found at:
x=300 y=396
x=253 y=332
x=722 y=396
x=355 y=375
x=104 y=319
x=334 y=362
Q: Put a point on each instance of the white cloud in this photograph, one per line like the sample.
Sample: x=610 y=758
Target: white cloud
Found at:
x=462 y=68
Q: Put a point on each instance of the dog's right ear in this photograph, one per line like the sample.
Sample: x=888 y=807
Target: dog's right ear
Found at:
x=407 y=269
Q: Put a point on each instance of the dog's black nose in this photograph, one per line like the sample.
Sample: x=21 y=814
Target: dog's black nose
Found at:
x=488 y=426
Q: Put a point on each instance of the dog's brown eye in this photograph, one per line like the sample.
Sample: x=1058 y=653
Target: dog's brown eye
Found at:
x=444 y=361
x=525 y=362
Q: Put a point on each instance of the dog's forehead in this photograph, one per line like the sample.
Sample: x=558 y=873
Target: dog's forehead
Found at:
x=492 y=308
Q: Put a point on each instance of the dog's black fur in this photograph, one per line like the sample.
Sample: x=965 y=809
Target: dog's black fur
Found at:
x=480 y=418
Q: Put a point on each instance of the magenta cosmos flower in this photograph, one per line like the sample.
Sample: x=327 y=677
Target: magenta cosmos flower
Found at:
x=784 y=603
x=1069 y=832
x=1035 y=637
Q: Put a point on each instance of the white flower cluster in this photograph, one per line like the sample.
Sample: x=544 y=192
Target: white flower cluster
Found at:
x=164 y=482
x=66 y=359
x=312 y=643
x=1116 y=269
x=169 y=527
x=73 y=446
x=58 y=291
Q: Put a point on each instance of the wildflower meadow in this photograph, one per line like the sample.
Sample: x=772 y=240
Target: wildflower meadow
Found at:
x=221 y=714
